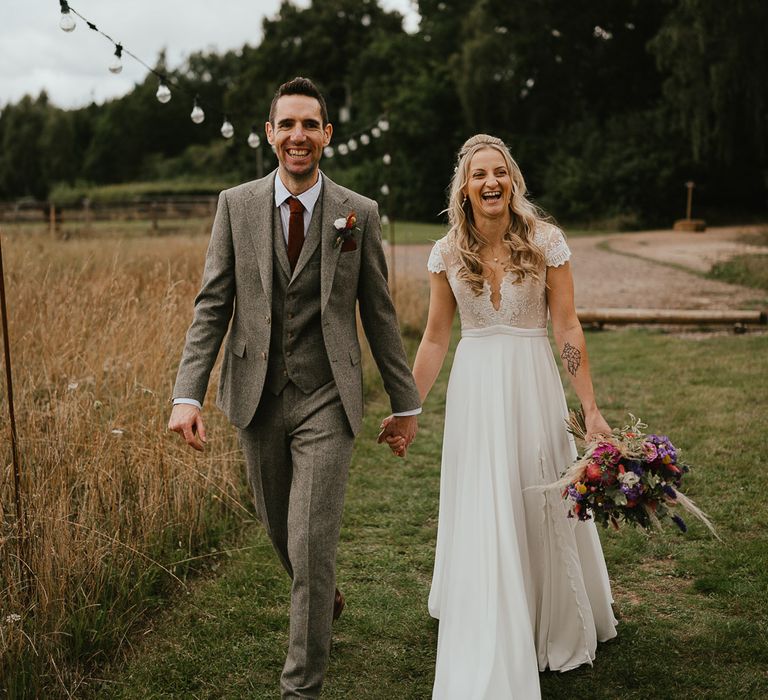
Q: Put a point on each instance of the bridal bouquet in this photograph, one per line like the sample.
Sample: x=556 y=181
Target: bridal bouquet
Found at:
x=628 y=477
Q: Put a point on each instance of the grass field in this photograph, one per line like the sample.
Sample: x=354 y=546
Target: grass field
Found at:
x=122 y=520
x=691 y=609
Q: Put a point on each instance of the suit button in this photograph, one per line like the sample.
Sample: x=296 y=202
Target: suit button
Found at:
x=285 y=372
x=267 y=319
x=288 y=354
x=290 y=315
x=263 y=356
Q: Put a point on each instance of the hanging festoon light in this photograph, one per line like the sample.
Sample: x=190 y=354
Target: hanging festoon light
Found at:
x=117 y=60
x=384 y=220
x=383 y=124
x=197 y=114
x=343 y=149
x=352 y=143
x=386 y=159
x=365 y=139
x=385 y=189
x=328 y=151
x=375 y=132
x=163 y=93
x=67 y=21
x=227 y=130
x=253 y=138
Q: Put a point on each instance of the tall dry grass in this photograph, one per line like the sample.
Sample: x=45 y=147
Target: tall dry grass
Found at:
x=116 y=507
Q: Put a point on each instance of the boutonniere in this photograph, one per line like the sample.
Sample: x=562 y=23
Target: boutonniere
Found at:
x=345 y=227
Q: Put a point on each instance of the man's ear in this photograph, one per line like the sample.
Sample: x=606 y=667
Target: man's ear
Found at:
x=328 y=132
x=269 y=132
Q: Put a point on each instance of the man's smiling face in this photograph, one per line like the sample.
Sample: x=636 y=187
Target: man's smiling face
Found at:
x=298 y=136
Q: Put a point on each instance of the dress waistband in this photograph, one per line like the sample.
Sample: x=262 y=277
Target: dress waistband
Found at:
x=503 y=330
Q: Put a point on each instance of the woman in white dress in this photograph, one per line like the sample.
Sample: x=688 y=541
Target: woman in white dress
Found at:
x=518 y=587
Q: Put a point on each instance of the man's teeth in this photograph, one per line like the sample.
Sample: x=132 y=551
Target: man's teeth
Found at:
x=298 y=152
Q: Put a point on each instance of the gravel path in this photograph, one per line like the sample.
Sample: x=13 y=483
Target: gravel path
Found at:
x=642 y=270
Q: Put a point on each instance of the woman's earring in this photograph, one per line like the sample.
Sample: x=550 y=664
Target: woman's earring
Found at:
x=464 y=201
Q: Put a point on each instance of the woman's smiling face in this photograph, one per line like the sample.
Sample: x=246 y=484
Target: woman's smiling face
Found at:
x=489 y=186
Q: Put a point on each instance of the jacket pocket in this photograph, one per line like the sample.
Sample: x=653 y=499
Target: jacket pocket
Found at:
x=237 y=347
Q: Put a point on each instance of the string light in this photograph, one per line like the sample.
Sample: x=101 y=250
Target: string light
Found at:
x=328 y=151
x=117 y=62
x=227 y=130
x=385 y=189
x=343 y=149
x=67 y=22
x=375 y=132
x=365 y=139
x=386 y=159
x=383 y=125
x=197 y=114
x=352 y=144
x=163 y=93
x=253 y=138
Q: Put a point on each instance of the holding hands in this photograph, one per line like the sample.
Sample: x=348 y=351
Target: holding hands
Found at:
x=398 y=432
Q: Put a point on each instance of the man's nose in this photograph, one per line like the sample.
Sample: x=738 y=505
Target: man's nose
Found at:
x=298 y=134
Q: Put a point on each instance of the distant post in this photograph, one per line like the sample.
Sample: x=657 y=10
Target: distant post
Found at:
x=689 y=224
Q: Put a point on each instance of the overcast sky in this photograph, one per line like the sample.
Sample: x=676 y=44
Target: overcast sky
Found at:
x=35 y=54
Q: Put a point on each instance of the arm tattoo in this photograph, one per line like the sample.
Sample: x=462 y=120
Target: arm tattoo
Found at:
x=572 y=358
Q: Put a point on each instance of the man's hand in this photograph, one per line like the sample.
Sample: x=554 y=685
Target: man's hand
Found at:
x=187 y=420
x=398 y=432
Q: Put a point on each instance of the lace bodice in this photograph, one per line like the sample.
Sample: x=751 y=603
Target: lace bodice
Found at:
x=521 y=305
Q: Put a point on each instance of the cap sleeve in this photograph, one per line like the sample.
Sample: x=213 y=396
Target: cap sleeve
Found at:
x=556 y=251
x=435 y=263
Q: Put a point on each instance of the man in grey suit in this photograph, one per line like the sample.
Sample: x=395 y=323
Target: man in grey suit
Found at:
x=290 y=257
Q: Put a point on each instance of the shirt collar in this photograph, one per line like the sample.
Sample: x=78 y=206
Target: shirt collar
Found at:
x=308 y=198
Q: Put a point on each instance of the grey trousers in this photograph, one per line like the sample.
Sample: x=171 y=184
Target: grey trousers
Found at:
x=297 y=451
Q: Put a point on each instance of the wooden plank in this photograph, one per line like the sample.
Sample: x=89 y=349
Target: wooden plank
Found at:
x=672 y=316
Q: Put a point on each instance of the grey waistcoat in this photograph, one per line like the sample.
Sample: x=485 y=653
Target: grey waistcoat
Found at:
x=296 y=348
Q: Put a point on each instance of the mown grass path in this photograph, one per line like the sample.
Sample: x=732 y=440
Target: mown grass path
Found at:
x=692 y=610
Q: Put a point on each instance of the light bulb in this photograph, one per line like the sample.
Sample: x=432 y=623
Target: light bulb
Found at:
x=383 y=124
x=67 y=21
x=163 y=94
x=365 y=20
x=328 y=151
x=117 y=61
x=352 y=144
x=385 y=189
x=386 y=159
x=343 y=149
x=253 y=139
x=365 y=139
x=375 y=132
x=197 y=113
x=384 y=220
x=227 y=130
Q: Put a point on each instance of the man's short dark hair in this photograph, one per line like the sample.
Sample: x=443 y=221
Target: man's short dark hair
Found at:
x=298 y=86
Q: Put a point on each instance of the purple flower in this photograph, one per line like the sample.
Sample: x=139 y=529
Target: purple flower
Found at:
x=664 y=447
x=680 y=523
x=669 y=491
x=606 y=454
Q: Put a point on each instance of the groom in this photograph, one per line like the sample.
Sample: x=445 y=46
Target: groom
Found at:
x=290 y=256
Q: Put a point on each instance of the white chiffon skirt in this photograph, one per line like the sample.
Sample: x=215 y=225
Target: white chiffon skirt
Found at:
x=518 y=587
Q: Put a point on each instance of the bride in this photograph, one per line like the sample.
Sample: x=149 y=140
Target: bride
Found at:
x=517 y=586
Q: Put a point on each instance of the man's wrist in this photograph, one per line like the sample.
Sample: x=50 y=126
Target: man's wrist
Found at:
x=190 y=402
x=412 y=412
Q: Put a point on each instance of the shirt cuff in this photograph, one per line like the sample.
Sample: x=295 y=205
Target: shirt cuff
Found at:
x=412 y=412
x=191 y=402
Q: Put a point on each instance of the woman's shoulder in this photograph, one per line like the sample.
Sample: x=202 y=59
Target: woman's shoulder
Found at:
x=442 y=254
x=551 y=239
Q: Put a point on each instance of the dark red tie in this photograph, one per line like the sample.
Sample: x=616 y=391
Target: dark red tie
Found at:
x=295 y=231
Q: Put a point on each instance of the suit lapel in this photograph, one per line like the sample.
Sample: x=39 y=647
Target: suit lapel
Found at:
x=259 y=212
x=333 y=198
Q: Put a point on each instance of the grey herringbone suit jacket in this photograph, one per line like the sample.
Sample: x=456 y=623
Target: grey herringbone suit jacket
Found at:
x=238 y=285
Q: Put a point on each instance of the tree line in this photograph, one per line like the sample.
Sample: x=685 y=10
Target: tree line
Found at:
x=609 y=106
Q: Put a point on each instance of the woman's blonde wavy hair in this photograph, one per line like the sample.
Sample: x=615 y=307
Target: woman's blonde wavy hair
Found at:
x=525 y=257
